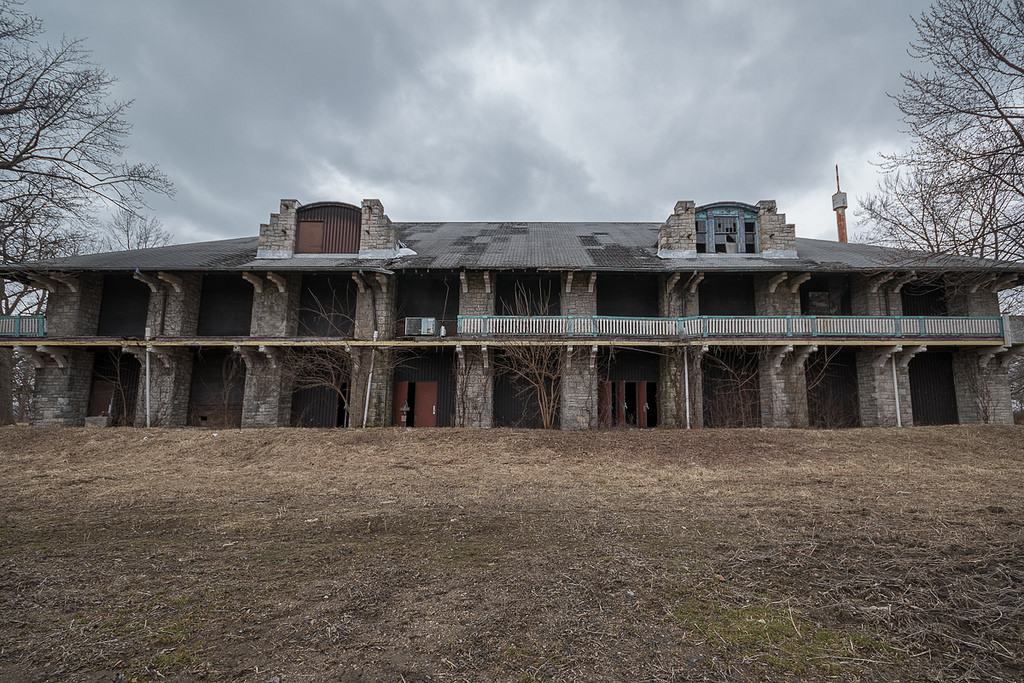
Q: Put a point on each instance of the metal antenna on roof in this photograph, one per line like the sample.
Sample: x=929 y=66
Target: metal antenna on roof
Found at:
x=839 y=205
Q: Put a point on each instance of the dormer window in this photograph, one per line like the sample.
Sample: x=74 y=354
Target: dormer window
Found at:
x=327 y=228
x=726 y=230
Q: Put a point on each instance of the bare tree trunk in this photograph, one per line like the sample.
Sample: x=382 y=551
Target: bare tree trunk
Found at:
x=6 y=387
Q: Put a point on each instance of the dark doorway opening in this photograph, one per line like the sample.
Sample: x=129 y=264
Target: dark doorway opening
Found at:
x=932 y=388
x=321 y=406
x=218 y=389
x=832 y=401
x=628 y=404
x=115 y=382
x=731 y=388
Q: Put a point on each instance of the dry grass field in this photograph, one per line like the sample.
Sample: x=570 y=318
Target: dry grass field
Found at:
x=460 y=555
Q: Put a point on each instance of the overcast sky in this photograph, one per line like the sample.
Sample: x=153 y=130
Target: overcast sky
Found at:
x=531 y=111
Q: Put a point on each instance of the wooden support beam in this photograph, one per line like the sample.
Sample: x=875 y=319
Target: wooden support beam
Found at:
x=255 y=280
x=154 y=284
x=775 y=281
x=907 y=355
x=794 y=283
x=279 y=280
x=173 y=280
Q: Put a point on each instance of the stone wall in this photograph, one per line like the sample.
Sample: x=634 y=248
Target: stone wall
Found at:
x=62 y=394
x=277 y=238
x=75 y=313
x=376 y=231
x=579 y=299
x=170 y=383
x=783 y=383
x=672 y=387
x=477 y=298
x=776 y=236
x=276 y=313
x=267 y=401
x=780 y=301
x=982 y=389
x=677 y=237
x=375 y=307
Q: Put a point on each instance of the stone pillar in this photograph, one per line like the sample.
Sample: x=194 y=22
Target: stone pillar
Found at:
x=875 y=389
x=672 y=387
x=784 y=387
x=376 y=232
x=277 y=238
x=677 y=237
x=774 y=293
x=62 y=393
x=579 y=388
x=982 y=389
x=266 y=403
x=6 y=386
x=170 y=383
x=776 y=237
x=474 y=388
x=477 y=296
x=75 y=313
x=869 y=296
x=379 y=362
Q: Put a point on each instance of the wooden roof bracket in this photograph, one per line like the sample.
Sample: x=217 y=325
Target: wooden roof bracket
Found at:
x=30 y=353
x=907 y=355
x=1004 y=282
x=694 y=282
x=360 y=282
x=802 y=353
x=154 y=284
x=882 y=355
x=779 y=354
x=173 y=280
x=775 y=281
x=255 y=280
x=487 y=281
x=904 y=280
x=794 y=283
x=282 y=284
x=1009 y=354
x=59 y=356
x=876 y=282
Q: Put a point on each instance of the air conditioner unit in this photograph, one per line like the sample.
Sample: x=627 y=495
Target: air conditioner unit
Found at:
x=420 y=327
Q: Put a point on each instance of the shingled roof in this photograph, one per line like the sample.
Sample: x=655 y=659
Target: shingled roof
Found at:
x=498 y=246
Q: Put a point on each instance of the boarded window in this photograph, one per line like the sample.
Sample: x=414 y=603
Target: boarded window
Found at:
x=328 y=228
x=225 y=307
x=124 y=306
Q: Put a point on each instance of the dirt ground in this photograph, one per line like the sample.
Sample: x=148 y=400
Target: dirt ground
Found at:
x=462 y=555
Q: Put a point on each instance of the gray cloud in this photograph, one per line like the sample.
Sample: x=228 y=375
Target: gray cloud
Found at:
x=527 y=111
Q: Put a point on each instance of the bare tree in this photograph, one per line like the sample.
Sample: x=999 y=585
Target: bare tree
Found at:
x=129 y=229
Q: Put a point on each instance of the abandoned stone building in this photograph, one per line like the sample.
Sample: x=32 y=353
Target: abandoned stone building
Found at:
x=336 y=316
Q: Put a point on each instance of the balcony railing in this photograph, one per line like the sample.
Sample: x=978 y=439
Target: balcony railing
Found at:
x=22 y=326
x=719 y=327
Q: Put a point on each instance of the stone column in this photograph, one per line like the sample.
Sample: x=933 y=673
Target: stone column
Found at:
x=62 y=393
x=784 y=387
x=982 y=388
x=474 y=388
x=579 y=388
x=875 y=389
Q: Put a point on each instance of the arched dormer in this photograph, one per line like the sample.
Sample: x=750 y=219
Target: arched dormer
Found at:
x=328 y=228
x=727 y=228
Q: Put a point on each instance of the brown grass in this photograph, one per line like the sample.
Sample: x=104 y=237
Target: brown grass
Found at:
x=443 y=555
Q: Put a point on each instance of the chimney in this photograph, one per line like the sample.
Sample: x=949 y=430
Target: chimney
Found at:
x=839 y=205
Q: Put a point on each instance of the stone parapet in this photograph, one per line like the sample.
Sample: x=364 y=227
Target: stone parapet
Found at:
x=277 y=237
x=376 y=232
x=677 y=237
x=777 y=238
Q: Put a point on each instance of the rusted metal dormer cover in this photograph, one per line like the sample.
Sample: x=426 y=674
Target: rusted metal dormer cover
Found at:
x=328 y=228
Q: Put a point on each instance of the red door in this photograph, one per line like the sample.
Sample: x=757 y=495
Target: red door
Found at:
x=425 y=407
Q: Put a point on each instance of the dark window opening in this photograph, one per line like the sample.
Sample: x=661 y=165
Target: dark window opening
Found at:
x=726 y=230
x=731 y=388
x=924 y=298
x=632 y=295
x=225 y=306
x=327 y=306
x=124 y=307
x=531 y=294
x=428 y=296
x=826 y=295
x=320 y=406
x=320 y=387
x=727 y=294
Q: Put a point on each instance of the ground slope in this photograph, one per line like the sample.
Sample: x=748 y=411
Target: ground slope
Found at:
x=444 y=555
